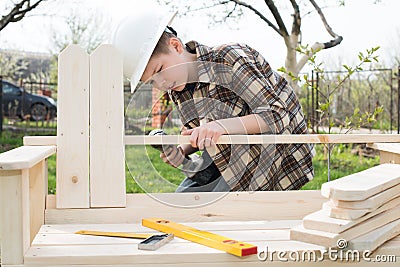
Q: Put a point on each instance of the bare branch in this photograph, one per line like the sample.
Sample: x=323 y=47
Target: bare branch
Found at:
x=241 y=3
x=319 y=46
x=338 y=39
x=220 y=3
x=296 y=18
x=230 y=13
x=18 y=12
x=282 y=28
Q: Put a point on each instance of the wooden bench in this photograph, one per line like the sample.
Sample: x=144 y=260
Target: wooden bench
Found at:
x=38 y=229
x=389 y=153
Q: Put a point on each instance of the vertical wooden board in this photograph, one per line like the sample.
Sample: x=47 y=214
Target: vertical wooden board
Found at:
x=107 y=159
x=37 y=196
x=13 y=244
x=26 y=211
x=72 y=185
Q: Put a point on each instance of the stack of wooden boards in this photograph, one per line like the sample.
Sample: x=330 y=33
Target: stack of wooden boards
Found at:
x=363 y=211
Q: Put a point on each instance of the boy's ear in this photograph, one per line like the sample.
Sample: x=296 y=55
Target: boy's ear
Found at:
x=176 y=44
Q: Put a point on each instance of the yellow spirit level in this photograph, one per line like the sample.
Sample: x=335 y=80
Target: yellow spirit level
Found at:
x=202 y=237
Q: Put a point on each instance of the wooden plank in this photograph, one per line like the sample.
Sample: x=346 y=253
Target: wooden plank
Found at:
x=372 y=202
x=115 y=252
x=231 y=139
x=392 y=148
x=75 y=239
x=174 y=253
x=324 y=238
x=24 y=157
x=37 y=196
x=221 y=264
x=321 y=221
x=14 y=230
x=40 y=140
x=297 y=204
x=26 y=213
x=351 y=214
x=269 y=139
x=389 y=153
x=345 y=214
x=372 y=240
x=137 y=228
x=72 y=184
x=181 y=252
x=389 y=157
x=275 y=263
x=107 y=158
x=364 y=184
x=391 y=247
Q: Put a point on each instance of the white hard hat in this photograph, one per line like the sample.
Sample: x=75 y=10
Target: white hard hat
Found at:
x=136 y=36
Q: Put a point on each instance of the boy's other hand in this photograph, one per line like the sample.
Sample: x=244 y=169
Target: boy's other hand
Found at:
x=206 y=135
x=173 y=156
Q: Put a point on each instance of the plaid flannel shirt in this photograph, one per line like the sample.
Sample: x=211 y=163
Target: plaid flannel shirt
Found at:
x=242 y=83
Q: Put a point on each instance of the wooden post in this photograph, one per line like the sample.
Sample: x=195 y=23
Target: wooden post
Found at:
x=14 y=217
x=107 y=150
x=37 y=196
x=73 y=129
x=23 y=172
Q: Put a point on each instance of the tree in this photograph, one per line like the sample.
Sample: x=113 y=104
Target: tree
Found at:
x=17 y=11
x=292 y=38
x=12 y=66
x=87 y=29
x=14 y=13
x=394 y=52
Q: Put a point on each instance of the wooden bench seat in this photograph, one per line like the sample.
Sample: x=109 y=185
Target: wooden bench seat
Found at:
x=269 y=215
x=55 y=243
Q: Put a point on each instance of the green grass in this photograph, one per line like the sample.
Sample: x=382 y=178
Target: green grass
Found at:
x=343 y=163
x=10 y=140
x=46 y=125
x=145 y=169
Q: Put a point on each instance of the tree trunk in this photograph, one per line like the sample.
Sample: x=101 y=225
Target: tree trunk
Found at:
x=291 y=43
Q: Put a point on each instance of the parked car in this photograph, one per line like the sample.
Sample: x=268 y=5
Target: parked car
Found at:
x=18 y=102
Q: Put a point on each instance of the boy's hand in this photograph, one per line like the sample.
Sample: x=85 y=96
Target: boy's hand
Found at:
x=173 y=156
x=206 y=135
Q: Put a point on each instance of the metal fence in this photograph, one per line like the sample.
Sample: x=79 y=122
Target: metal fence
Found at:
x=365 y=90
x=17 y=119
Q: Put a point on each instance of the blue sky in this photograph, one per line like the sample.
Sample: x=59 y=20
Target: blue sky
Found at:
x=361 y=23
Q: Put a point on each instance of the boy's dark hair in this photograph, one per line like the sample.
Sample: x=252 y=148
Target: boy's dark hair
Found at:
x=162 y=45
